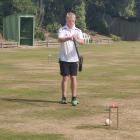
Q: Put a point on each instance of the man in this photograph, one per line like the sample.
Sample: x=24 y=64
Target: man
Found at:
x=68 y=56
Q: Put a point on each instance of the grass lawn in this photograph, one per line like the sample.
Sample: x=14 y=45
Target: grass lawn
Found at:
x=30 y=93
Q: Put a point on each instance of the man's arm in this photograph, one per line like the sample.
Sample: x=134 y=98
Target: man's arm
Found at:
x=80 y=41
x=78 y=37
x=64 y=39
x=73 y=38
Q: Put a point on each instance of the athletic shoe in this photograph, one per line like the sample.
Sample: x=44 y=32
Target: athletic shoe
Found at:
x=63 y=100
x=74 y=101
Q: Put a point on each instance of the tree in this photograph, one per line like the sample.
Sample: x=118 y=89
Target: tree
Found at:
x=97 y=10
x=79 y=9
x=9 y=7
x=137 y=9
x=1 y=16
x=128 y=8
x=24 y=6
x=123 y=8
x=91 y=14
x=95 y=13
x=5 y=7
x=54 y=10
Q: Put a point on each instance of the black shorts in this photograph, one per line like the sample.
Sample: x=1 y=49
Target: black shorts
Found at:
x=68 y=68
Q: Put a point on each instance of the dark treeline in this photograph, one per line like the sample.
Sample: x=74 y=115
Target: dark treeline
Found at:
x=90 y=13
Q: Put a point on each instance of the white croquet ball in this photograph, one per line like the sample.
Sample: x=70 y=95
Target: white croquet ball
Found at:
x=108 y=122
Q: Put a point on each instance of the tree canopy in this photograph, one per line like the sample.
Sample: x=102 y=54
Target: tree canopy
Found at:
x=90 y=13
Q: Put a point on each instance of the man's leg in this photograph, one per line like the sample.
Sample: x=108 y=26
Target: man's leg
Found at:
x=64 y=85
x=74 y=86
x=74 y=90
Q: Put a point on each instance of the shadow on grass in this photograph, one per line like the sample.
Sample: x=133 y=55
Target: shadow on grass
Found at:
x=90 y=127
x=29 y=101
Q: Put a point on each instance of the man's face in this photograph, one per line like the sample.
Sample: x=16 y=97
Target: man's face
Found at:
x=70 y=21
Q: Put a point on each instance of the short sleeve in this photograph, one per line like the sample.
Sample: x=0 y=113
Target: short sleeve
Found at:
x=80 y=34
x=61 y=33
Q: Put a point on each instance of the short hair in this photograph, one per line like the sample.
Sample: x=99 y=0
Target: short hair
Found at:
x=70 y=14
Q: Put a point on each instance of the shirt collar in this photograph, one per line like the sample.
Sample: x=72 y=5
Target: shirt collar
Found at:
x=71 y=28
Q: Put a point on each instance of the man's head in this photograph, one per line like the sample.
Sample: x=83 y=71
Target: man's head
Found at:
x=70 y=19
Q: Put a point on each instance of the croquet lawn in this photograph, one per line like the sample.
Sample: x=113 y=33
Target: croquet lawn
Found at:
x=30 y=94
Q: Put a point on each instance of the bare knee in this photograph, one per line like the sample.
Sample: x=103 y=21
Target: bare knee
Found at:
x=65 y=78
x=73 y=78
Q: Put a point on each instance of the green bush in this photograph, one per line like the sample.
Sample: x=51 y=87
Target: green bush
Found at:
x=53 y=28
x=92 y=33
x=40 y=35
x=53 y=35
x=115 y=38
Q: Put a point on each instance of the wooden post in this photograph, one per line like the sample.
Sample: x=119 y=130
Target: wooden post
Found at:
x=114 y=106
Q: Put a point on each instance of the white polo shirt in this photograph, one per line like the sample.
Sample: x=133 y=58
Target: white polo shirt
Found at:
x=67 y=49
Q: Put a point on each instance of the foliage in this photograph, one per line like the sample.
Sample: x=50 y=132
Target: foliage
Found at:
x=121 y=8
x=90 y=13
x=53 y=35
x=79 y=9
x=138 y=9
x=53 y=28
x=24 y=6
x=54 y=11
x=39 y=35
x=115 y=38
x=127 y=9
x=95 y=17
